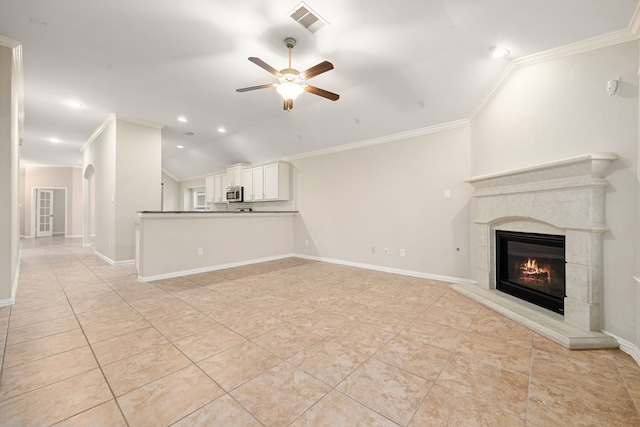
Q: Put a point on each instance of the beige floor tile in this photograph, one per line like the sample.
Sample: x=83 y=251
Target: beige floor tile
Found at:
x=205 y=344
x=42 y=329
x=287 y=340
x=39 y=316
x=493 y=325
x=328 y=361
x=336 y=409
x=320 y=322
x=128 y=374
x=185 y=326
x=30 y=376
x=56 y=402
x=222 y=412
x=264 y=395
x=169 y=399
x=361 y=337
x=552 y=405
x=39 y=348
x=123 y=346
x=388 y=390
x=107 y=329
x=500 y=353
x=599 y=377
x=253 y=325
x=415 y=357
x=105 y=415
x=238 y=365
x=504 y=389
x=446 y=408
x=454 y=301
x=447 y=317
x=444 y=337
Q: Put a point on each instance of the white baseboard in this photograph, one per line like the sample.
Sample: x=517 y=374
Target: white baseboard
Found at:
x=7 y=301
x=400 y=271
x=211 y=268
x=628 y=347
x=112 y=262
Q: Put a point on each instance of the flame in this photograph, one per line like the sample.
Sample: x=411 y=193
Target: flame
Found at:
x=531 y=268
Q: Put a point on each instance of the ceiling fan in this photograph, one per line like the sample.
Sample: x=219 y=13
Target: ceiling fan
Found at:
x=293 y=82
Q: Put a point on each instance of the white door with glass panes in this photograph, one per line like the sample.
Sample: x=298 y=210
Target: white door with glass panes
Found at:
x=44 y=209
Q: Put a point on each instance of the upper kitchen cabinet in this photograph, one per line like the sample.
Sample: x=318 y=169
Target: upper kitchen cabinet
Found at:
x=208 y=189
x=215 y=188
x=253 y=181
x=234 y=174
x=276 y=181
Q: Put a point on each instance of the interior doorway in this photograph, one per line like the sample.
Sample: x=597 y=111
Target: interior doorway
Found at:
x=50 y=212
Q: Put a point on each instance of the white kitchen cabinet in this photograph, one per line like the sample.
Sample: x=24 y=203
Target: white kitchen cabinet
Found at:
x=253 y=182
x=276 y=181
x=219 y=188
x=208 y=189
x=247 y=181
x=234 y=174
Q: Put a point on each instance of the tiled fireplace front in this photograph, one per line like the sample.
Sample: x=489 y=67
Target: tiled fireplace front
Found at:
x=563 y=198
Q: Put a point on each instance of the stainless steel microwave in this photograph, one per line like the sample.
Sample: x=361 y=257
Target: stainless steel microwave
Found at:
x=235 y=193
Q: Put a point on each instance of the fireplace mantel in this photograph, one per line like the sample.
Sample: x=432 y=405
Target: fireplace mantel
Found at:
x=563 y=197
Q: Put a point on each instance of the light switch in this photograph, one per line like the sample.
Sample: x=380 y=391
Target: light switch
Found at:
x=447 y=194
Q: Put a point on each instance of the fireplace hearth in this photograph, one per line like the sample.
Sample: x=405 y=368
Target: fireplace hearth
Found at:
x=531 y=266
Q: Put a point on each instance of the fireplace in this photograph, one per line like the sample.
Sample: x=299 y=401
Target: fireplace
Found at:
x=563 y=198
x=531 y=266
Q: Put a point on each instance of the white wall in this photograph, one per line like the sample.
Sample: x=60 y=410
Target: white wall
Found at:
x=388 y=196
x=10 y=134
x=138 y=180
x=559 y=108
x=171 y=193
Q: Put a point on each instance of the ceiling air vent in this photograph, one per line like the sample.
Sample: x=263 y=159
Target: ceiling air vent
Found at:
x=306 y=17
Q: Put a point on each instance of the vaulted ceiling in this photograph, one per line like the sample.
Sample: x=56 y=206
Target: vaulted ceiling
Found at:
x=399 y=66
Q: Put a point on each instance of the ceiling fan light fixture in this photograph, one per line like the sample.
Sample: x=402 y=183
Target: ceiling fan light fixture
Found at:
x=289 y=90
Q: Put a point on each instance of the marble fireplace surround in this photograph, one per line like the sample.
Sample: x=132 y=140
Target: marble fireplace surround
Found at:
x=563 y=197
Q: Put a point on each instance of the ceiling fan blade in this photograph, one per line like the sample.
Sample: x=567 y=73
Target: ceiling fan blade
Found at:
x=260 y=63
x=288 y=104
x=321 y=92
x=247 y=89
x=322 y=67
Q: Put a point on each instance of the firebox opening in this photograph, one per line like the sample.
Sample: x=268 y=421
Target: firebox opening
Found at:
x=532 y=267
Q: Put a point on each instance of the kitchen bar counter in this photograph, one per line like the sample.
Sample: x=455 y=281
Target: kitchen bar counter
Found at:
x=216 y=212
x=178 y=243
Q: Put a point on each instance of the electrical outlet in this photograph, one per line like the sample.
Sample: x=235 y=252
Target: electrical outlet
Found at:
x=109 y=244
x=373 y=249
x=200 y=251
x=306 y=242
x=386 y=251
x=402 y=252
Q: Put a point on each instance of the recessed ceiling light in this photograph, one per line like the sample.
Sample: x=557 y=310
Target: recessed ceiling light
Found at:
x=182 y=119
x=499 y=52
x=222 y=130
x=180 y=146
x=54 y=140
x=74 y=103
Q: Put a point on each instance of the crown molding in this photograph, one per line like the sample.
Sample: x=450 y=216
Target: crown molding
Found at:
x=7 y=42
x=170 y=175
x=457 y=124
x=36 y=165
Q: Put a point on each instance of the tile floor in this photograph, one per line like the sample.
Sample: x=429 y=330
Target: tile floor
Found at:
x=289 y=342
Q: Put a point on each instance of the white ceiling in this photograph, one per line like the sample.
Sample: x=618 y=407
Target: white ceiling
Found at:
x=399 y=65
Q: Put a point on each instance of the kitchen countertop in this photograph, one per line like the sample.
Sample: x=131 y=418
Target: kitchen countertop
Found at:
x=213 y=212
